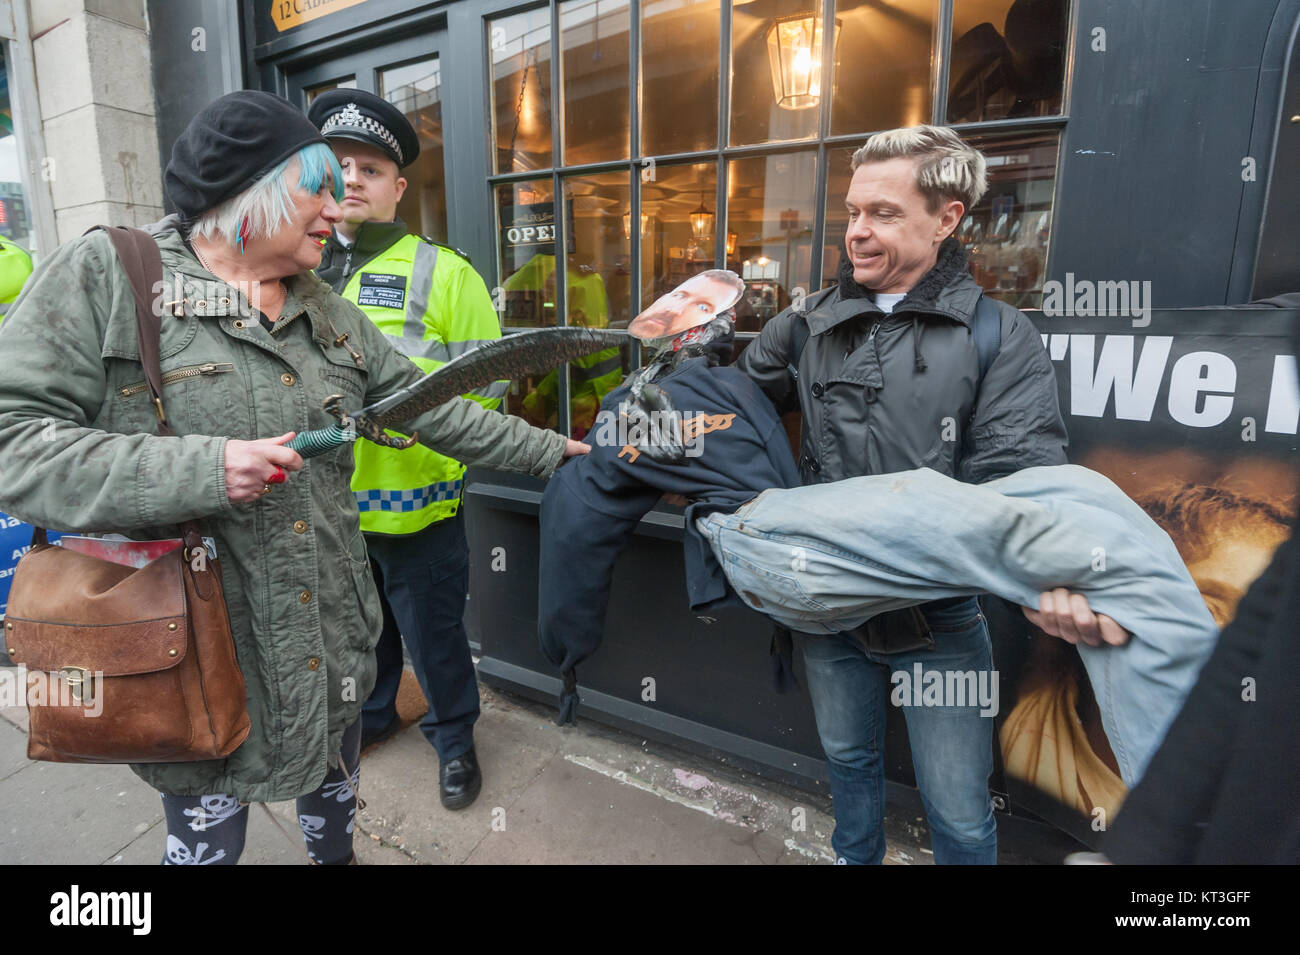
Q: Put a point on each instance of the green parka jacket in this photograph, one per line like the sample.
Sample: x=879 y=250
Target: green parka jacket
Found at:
x=79 y=452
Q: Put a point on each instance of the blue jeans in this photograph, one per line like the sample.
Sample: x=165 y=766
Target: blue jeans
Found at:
x=952 y=746
x=825 y=558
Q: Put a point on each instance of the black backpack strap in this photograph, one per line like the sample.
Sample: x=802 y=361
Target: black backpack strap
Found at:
x=987 y=329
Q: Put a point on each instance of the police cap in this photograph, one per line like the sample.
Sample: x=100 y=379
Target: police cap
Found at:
x=366 y=118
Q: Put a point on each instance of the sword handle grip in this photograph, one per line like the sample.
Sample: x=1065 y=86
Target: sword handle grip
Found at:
x=310 y=444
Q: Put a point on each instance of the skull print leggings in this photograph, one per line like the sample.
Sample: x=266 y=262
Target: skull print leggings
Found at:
x=210 y=830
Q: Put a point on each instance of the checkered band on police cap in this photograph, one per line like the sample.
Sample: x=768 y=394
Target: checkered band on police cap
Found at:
x=349 y=117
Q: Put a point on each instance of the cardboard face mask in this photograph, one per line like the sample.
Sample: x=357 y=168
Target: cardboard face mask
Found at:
x=697 y=301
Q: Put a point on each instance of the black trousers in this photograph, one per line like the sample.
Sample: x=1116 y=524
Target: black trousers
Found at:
x=423 y=579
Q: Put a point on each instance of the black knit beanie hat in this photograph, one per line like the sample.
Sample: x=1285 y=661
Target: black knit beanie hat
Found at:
x=229 y=144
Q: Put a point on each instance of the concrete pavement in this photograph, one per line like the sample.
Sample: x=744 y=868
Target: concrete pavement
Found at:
x=581 y=794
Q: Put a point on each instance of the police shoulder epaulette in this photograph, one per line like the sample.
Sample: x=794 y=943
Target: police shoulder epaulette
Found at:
x=450 y=248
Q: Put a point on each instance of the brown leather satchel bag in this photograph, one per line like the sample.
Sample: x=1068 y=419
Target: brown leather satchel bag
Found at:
x=127 y=664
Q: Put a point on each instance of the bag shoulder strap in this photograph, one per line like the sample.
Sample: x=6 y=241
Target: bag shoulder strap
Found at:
x=142 y=262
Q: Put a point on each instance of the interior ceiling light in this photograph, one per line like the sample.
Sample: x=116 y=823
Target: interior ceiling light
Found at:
x=701 y=220
x=794 y=52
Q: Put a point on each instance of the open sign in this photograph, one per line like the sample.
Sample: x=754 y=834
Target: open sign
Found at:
x=530 y=234
x=531 y=225
x=530 y=230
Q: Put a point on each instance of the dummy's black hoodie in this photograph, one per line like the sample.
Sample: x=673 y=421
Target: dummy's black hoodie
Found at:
x=593 y=503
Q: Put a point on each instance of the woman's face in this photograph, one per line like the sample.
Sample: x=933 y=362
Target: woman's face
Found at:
x=296 y=247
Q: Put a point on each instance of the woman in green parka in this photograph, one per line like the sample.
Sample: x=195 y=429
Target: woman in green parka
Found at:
x=251 y=343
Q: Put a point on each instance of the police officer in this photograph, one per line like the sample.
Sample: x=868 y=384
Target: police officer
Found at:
x=433 y=306
x=15 y=267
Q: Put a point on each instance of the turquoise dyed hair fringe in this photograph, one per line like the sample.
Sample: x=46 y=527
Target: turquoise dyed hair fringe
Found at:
x=314 y=161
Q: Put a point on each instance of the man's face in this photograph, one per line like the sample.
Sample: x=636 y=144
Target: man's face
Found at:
x=372 y=186
x=692 y=303
x=893 y=239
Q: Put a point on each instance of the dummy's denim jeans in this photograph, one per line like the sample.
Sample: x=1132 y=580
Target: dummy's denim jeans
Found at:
x=825 y=558
x=952 y=746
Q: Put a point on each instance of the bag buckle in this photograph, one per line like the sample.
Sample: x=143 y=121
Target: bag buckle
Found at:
x=81 y=685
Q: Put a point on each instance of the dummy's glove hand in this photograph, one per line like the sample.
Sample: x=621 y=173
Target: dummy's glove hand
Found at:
x=651 y=420
x=1068 y=616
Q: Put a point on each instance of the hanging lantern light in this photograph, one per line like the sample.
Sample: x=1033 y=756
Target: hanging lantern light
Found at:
x=794 y=52
x=701 y=220
x=627 y=224
x=732 y=239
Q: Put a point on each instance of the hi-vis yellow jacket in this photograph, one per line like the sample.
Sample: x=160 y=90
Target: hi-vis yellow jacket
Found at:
x=433 y=306
x=15 y=267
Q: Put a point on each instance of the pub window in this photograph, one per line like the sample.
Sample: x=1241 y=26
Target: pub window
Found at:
x=1006 y=233
x=594 y=38
x=771 y=209
x=732 y=150
x=346 y=83
x=679 y=75
x=416 y=89
x=526 y=217
x=681 y=216
x=883 y=65
x=519 y=52
x=1008 y=59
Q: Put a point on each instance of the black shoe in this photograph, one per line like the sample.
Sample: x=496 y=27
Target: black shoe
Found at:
x=459 y=781
x=370 y=737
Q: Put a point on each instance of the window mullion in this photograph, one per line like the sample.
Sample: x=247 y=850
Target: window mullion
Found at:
x=942 y=64
x=560 y=219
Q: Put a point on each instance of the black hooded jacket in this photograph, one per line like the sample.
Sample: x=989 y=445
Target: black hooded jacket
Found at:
x=883 y=393
x=593 y=503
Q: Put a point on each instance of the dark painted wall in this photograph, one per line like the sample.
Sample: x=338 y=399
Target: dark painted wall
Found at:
x=1277 y=264
x=190 y=70
x=1151 y=183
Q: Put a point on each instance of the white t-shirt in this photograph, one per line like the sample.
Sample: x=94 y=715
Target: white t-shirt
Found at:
x=887 y=301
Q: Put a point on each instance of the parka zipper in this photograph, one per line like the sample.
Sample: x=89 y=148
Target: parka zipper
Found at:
x=179 y=374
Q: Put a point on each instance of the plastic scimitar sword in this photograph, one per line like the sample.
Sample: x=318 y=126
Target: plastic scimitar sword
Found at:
x=514 y=356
